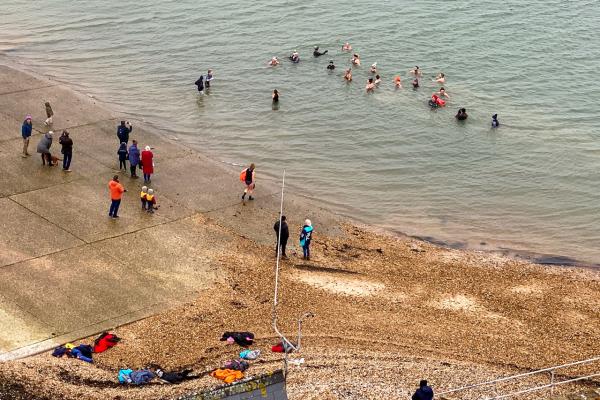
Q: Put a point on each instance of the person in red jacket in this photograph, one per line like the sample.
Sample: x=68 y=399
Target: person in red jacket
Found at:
x=116 y=193
x=147 y=164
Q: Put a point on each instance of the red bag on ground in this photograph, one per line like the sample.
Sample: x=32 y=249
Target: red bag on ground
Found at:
x=105 y=341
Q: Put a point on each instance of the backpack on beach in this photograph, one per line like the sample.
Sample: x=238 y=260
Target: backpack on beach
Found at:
x=243 y=175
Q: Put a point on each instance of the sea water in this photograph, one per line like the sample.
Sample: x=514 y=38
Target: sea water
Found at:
x=383 y=158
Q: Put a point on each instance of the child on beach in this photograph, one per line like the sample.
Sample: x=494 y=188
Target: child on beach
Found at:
x=122 y=152
x=49 y=114
x=247 y=176
x=143 y=194
x=151 y=201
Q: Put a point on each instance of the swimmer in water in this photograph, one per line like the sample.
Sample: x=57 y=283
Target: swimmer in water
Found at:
x=441 y=78
x=295 y=57
x=356 y=59
x=415 y=83
x=209 y=77
x=397 y=82
x=373 y=69
x=274 y=61
x=200 y=84
x=370 y=85
x=442 y=93
x=346 y=47
x=433 y=102
x=330 y=67
x=377 y=79
x=461 y=115
x=495 y=122
x=348 y=75
x=275 y=96
x=416 y=72
x=317 y=53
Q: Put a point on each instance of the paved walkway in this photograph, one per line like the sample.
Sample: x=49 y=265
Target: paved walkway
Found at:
x=66 y=269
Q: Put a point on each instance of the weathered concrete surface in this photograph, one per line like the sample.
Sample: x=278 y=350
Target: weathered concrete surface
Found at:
x=66 y=269
x=267 y=387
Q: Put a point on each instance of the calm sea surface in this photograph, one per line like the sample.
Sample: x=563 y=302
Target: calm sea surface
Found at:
x=384 y=158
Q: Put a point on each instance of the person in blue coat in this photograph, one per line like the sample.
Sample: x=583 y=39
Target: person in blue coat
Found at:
x=26 y=133
x=424 y=392
x=134 y=158
x=305 y=238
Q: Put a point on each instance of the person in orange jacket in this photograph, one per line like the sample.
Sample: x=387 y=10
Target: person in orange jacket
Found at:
x=116 y=193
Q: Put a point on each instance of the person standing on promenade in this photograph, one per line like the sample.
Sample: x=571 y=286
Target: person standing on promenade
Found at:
x=305 y=238
x=67 y=150
x=122 y=152
x=247 y=176
x=134 y=158
x=285 y=234
x=43 y=148
x=116 y=193
x=123 y=132
x=147 y=164
x=26 y=130
x=49 y=114
x=424 y=392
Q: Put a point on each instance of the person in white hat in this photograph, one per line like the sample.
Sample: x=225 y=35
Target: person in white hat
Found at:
x=305 y=238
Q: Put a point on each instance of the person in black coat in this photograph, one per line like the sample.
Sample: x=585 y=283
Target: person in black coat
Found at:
x=67 y=150
x=424 y=392
x=123 y=131
x=285 y=234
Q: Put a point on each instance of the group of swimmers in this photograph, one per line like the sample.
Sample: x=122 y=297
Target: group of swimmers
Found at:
x=438 y=99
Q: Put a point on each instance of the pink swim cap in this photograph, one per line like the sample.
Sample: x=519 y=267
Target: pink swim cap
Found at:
x=28 y=116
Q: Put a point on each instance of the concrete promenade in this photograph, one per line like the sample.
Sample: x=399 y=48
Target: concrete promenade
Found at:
x=66 y=269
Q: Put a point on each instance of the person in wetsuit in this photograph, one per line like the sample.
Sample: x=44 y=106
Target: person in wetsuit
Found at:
x=295 y=57
x=275 y=96
x=331 y=67
x=415 y=83
x=317 y=53
x=495 y=122
x=200 y=83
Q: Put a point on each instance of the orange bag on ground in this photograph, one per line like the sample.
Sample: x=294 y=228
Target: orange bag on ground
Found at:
x=227 y=375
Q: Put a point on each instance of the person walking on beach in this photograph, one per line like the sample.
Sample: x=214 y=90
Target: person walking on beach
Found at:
x=43 y=148
x=285 y=234
x=247 y=176
x=122 y=152
x=134 y=158
x=123 y=132
x=116 y=193
x=26 y=130
x=67 y=150
x=424 y=392
x=147 y=164
x=305 y=238
x=49 y=114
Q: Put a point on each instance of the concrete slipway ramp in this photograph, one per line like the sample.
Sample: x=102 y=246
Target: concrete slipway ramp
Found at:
x=66 y=269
